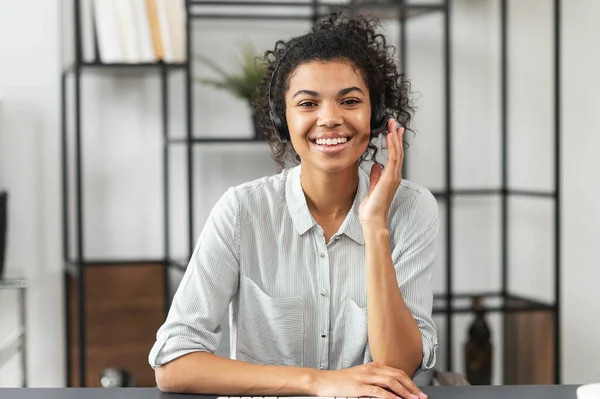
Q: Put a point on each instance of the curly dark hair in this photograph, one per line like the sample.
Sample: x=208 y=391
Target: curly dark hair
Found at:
x=339 y=37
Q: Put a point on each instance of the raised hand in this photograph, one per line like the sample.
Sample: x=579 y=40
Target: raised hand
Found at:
x=376 y=206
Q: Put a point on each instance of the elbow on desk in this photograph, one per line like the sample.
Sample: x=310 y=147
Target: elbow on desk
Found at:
x=163 y=382
x=184 y=374
x=167 y=379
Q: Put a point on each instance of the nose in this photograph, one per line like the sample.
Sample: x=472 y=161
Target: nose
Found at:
x=329 y=115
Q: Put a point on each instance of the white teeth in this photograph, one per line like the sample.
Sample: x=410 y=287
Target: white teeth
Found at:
x=335 y=141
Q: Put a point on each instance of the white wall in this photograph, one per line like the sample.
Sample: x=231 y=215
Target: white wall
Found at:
x=581 y=209
x=29 y=162
x=122 y=168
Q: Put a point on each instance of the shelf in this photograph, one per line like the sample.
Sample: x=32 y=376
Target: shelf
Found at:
x=226 y=9
x=474 y=192
x=126 y=66
x=394 y=9
x=494 y=302
x=467 y=192
x=71 y=266
x=533 y=193
x=217 y=140
x=178 y=265
x=256 y=17
x=237 y=3
x=389 y=9
x=13 y=283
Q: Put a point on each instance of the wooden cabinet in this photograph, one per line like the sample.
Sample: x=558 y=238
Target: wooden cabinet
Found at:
x=528 y=346
x=124 y=307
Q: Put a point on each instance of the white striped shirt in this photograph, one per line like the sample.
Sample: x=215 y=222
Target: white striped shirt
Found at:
x=295 y=300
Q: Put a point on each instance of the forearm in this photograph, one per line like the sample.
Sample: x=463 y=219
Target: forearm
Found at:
x=394 y=337
x=205 y=373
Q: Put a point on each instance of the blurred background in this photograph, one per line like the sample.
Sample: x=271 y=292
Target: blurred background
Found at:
x=123 y=121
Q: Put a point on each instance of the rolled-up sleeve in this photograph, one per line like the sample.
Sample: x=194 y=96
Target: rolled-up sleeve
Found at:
x=210 y=282
x=413 y=260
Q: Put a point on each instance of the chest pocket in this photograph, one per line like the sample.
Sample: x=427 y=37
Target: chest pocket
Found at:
x=269 y=330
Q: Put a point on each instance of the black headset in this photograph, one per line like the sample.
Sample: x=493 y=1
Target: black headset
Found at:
x=378 y=116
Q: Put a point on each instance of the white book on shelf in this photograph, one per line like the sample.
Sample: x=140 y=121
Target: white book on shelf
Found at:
x=142 y=27
x=88 y=50
x=106 y=24
x=177 y=28
x=127 y=30
x=163 y=21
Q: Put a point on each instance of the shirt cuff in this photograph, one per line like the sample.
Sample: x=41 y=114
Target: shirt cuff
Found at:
x=167 y=349
x=429 y=352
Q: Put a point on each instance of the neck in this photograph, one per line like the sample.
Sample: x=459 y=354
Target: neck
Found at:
x=329 y=195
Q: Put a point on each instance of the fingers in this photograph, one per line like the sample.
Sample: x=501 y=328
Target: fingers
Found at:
x=397 y=152
x=401 y=143
x=407 y=382
x=401 y=381
x=391 y=148
x=375 y=175
x=395 y=155
x=377 y=392
x=394 y=384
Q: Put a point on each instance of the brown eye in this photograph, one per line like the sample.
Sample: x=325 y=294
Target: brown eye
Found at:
x=350 y=101
x=307 y=104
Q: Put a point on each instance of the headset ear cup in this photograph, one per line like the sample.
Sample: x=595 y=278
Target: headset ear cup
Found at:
x=379 y=124
x=380 y=118
x=279 y=126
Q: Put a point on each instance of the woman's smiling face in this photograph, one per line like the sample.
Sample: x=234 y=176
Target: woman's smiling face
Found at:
x=328 y=113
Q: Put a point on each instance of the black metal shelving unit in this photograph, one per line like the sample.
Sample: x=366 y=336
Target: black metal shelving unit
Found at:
x=75 y=260
x=446 y=304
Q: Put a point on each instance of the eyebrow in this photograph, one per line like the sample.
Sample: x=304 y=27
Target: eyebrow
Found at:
x=342 y=92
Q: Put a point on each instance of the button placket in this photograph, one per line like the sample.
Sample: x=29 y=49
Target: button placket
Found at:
x=323 y=301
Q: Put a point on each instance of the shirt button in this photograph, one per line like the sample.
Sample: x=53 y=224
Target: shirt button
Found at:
x=322 y=254
x=323 y=292
x=322 y=367
x=323 y=335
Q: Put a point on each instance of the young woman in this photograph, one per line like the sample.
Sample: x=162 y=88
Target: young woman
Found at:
x=327 y=269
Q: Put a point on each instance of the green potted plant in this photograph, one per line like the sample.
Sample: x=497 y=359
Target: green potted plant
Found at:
x=242 y=84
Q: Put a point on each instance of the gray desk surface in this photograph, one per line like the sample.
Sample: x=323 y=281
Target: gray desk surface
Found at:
x=469 y=392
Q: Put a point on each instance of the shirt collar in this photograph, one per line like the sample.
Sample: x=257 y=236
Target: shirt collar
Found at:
x=301 y=216
x=351 y=226
x=296 y=202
